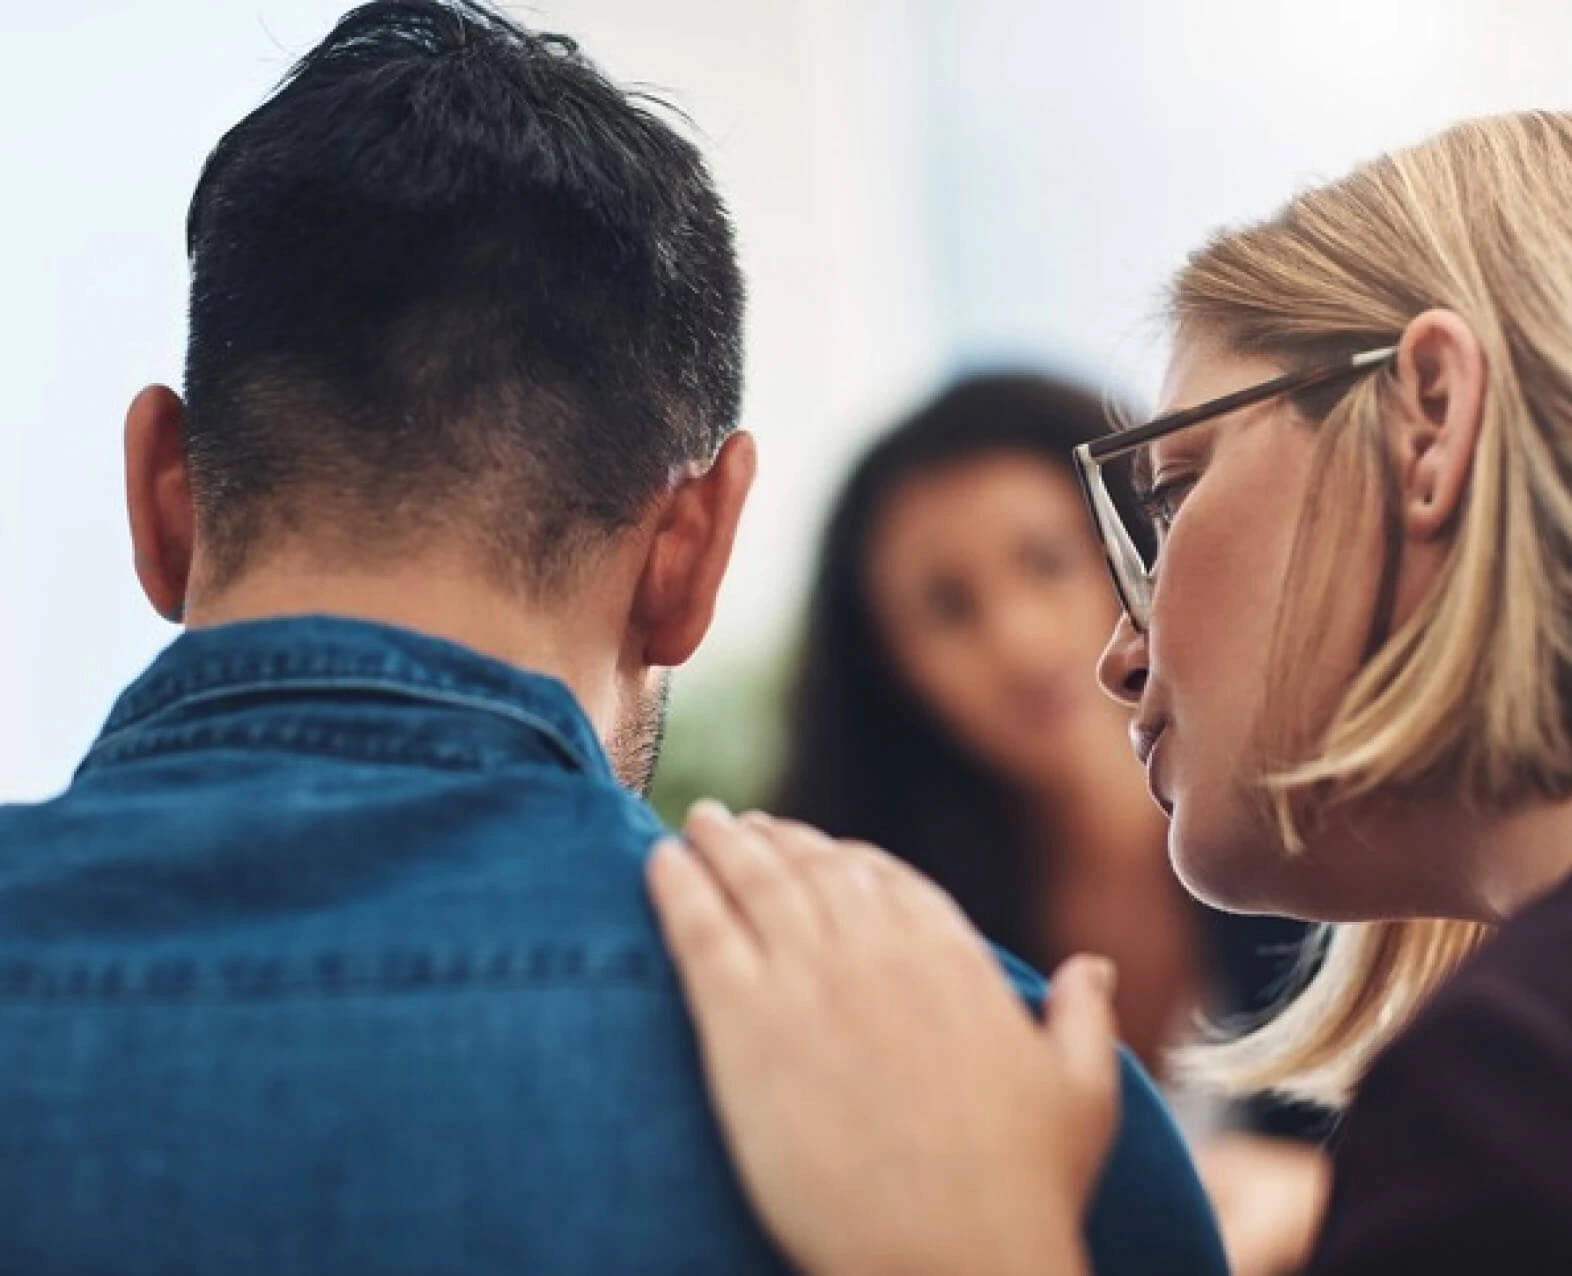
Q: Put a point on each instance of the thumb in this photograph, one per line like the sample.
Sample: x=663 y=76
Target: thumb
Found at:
x=1082 y=1029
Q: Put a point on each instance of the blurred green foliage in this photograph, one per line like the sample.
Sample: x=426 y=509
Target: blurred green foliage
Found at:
x=725 y=736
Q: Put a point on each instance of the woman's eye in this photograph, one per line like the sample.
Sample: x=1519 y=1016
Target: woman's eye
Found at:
x=947 y=603
x=1161 y=504
x=1047 y=561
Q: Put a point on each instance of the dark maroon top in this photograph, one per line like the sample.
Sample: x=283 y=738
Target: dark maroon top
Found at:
x=1456 y=1156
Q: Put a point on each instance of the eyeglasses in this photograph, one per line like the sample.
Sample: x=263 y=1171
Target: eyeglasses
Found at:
x=1132 y=575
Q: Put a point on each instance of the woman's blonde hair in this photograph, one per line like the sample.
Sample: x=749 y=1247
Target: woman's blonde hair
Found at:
x=1472 y=692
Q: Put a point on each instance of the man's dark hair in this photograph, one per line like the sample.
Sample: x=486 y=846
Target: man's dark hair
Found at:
x=449 y=275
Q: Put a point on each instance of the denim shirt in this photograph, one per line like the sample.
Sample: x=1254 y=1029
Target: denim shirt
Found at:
x=336 y=957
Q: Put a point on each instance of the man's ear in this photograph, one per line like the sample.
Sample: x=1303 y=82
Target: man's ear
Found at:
x=688 y=555
x=1440 y=401
x=158 y=499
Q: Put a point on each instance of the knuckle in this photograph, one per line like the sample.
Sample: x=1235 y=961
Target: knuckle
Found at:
x=836 y=873
x=882 y=862
x=753 y=872
x=700 y=932
x=805 y=833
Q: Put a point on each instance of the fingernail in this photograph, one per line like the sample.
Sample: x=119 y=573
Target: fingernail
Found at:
x=1103 y=976
x=710 y=809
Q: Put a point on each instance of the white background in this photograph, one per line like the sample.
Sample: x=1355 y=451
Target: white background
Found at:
x=920 y=185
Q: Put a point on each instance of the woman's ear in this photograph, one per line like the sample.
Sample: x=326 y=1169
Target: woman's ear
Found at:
x=1440 y=402
x=158 y=499
x=674 y=602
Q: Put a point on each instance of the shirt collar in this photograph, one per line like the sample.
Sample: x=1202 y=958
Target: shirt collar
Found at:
x=328 y=654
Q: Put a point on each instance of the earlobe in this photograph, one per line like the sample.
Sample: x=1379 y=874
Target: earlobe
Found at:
x=158 y=499
x=689 y=553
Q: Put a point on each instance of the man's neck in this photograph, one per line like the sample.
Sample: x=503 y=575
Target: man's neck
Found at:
x=439 y=597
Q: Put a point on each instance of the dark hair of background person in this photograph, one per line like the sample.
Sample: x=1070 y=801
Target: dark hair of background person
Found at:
x=448 y=273
x=865 y=757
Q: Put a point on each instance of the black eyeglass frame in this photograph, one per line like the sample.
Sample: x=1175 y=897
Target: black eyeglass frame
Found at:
x=1131 y=577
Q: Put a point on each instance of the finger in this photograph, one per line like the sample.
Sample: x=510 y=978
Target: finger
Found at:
x=840 y=881
x=1082 y=1029
x=915 y=896
x=764 y=889
x=714 y=951
x=797 y=842
x=892 y=869
x=851 y=895
x=793 y=836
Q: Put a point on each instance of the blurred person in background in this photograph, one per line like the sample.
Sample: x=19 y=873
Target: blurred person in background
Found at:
x=1351 y=670
x=333 y=956
x=942 y=705
x=945 y=705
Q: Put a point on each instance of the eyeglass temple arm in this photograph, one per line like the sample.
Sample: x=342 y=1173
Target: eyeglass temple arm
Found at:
x=1116 y=445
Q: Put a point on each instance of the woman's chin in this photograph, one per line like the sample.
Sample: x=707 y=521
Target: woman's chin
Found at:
x=1231 y=873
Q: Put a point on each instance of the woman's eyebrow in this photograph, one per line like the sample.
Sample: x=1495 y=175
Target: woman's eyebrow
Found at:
x=1198 y=442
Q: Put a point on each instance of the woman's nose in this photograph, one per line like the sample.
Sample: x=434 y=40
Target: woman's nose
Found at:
x=1122 y=669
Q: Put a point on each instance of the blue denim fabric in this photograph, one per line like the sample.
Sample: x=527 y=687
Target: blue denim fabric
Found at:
x=335 y=957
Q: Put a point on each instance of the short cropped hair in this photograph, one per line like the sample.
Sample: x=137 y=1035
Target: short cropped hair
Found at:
x=449 y=276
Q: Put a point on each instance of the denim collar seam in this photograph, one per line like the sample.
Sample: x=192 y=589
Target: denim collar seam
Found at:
x=158 y=690
x=383 y=686
x=160 y=741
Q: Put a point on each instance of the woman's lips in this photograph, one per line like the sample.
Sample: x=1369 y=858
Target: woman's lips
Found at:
x=1147 y=740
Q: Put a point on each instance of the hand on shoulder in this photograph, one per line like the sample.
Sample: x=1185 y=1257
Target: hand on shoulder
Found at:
x=891 y=1105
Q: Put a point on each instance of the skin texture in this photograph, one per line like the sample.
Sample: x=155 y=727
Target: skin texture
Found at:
x=641 y=605
x=1193 y=681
